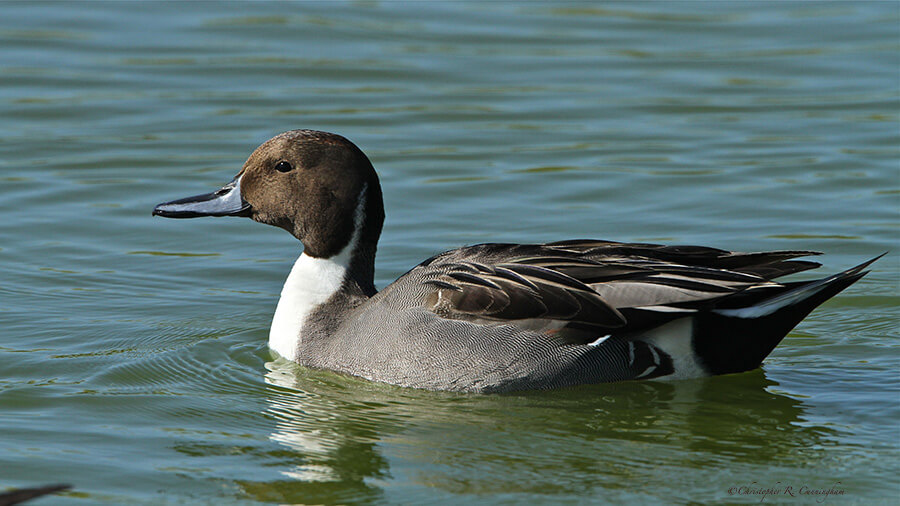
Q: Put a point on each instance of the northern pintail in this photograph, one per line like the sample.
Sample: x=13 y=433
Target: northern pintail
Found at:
x=499 y=317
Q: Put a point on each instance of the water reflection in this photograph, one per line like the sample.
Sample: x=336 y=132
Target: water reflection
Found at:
x=331 y=426
x=346 y=436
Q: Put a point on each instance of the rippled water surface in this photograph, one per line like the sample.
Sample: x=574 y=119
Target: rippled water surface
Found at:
x=133 y=359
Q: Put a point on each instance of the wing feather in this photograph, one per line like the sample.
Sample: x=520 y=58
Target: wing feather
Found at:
x=585 y=288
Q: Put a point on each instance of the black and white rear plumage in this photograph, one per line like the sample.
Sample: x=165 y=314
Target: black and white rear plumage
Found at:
x=500 y=317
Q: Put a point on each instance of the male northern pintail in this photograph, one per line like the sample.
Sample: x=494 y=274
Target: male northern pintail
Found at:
x=499 y=317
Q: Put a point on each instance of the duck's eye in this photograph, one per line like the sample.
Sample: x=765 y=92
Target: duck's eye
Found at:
x=283 y=166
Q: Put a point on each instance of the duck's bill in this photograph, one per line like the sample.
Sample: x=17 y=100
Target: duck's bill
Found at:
x=226 y=201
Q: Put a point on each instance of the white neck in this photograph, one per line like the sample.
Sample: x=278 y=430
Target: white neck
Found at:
x=312 y=281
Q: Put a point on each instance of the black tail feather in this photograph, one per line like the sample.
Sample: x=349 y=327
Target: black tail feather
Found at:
x=735 y=340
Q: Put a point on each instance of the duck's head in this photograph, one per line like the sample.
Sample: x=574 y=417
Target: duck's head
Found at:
x=316 y=185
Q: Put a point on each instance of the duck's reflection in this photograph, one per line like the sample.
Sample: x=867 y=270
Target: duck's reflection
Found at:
x=349 y=438
x=331 y=427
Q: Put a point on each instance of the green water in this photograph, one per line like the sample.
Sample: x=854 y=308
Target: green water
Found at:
x=133 y=359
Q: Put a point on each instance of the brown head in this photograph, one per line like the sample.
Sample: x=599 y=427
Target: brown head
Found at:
x=316 y=185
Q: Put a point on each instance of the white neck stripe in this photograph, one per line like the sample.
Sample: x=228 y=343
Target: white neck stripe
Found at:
x=312 y=281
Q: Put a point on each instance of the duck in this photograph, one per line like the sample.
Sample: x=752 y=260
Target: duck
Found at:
x=495 y=317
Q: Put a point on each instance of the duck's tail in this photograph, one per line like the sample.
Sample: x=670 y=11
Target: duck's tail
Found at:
x=737 y=335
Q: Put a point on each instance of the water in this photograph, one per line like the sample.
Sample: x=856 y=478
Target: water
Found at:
x=133 y=361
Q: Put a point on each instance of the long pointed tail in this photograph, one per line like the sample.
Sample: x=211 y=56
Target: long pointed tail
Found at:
x=738 y=339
